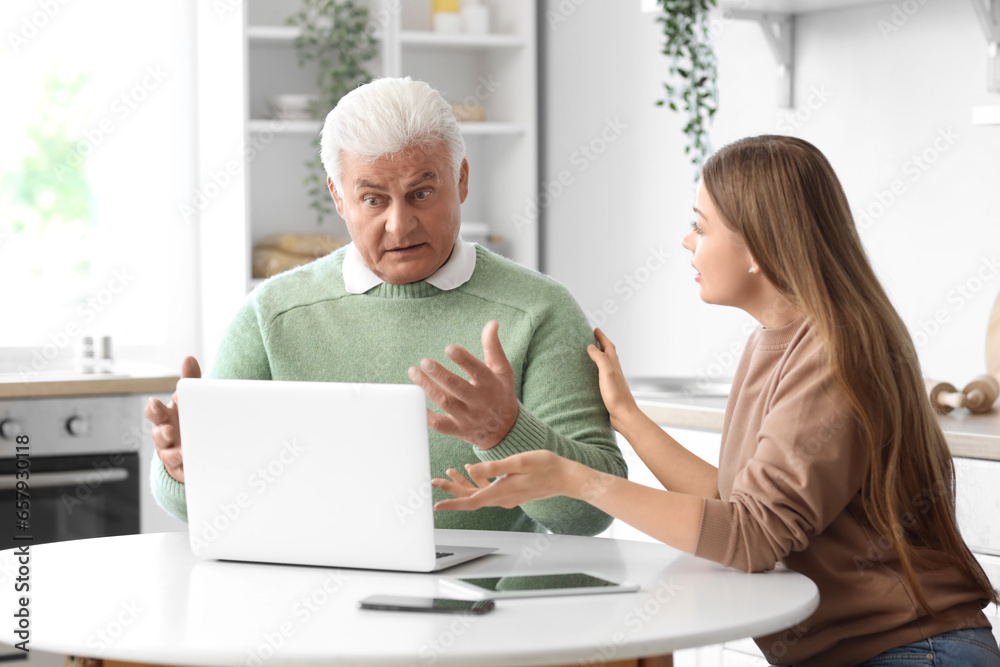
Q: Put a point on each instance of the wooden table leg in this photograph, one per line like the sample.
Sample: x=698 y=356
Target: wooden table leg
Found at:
x=77 y=661
x=653 y=661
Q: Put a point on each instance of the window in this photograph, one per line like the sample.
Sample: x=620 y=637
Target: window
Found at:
x=98 y=156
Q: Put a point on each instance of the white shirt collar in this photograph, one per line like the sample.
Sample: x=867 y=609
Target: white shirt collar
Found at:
x=457 y=271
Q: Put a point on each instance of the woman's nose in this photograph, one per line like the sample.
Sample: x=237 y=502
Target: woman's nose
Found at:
x=687 y=242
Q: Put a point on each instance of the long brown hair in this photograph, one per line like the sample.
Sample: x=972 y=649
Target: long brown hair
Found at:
x=781 y=195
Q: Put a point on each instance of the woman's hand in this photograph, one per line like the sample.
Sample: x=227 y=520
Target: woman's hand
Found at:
x=614 y=389
x=517 y=479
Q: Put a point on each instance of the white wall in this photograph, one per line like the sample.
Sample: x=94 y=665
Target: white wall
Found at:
x=870 y=99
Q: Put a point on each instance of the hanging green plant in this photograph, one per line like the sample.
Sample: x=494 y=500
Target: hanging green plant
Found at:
x=692 y=89
x=336 y=37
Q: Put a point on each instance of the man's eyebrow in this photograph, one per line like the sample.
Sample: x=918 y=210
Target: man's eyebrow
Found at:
x=426 y=176
x=369 y=185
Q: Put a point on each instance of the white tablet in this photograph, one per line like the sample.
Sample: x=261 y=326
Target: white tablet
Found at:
x=535 y=585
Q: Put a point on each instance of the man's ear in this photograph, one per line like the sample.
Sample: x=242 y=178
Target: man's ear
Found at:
x=338 y=202
x=463 y=181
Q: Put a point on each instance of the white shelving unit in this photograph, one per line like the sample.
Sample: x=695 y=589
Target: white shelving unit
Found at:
x=986 y=115
x=252 y=166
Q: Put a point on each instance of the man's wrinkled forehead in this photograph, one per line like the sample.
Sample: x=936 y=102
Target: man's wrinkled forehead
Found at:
x=374 y=183
x=419 y=164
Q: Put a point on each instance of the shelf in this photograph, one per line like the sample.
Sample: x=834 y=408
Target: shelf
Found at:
x=280 y=34
x=488 y=128
x=273 y=33
x=424 y=39
x=987 y=115
x=792 y=6
x=279 y=126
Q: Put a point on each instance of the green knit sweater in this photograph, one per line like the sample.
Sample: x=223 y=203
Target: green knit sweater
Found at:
x=303 y=325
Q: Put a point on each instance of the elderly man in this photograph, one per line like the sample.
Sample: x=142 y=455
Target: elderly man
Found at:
x=407 y=289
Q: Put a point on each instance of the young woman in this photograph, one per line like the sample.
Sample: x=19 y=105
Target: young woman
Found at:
x=832 y=461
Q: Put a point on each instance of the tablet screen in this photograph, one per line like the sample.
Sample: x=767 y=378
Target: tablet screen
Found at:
x=536 y=582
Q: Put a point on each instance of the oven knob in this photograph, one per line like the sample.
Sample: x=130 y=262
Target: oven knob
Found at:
x=77 y=425
x=10 y=429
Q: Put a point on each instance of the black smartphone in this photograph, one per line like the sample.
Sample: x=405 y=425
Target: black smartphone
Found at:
x=440 y=605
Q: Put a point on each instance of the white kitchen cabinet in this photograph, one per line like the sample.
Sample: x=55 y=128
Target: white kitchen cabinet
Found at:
x=252 y=166
x=977 y=499
x=978 y=504
x=705 y=444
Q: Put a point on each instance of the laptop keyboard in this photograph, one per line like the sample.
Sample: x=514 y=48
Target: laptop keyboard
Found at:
x=442 y=554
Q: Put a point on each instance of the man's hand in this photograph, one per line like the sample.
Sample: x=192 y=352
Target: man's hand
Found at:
x=481 y=410
x=167 y=425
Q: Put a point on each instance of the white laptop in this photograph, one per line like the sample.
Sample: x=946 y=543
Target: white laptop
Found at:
x=311 y=473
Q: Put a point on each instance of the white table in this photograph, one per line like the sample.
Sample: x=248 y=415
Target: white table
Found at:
x=144 y=598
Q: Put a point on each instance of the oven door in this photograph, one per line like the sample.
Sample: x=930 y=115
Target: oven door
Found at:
x=74 y=497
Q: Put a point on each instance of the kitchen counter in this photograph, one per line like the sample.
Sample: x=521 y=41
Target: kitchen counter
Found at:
x=969 y=435
x=128 y=378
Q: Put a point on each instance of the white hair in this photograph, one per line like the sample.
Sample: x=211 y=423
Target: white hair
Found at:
x=385 y=117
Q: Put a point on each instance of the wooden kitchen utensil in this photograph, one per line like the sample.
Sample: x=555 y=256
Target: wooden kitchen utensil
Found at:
x=944 y=396
x=993 y=341
x=981 y=393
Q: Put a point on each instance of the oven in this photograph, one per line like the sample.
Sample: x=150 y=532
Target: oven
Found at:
x=83 y=467
x=80 y=459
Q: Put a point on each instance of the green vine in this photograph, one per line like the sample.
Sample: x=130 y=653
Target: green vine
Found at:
x=693 y=74
x=335 y=36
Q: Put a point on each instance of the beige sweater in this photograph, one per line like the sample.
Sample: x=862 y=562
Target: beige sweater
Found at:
x=790 y=473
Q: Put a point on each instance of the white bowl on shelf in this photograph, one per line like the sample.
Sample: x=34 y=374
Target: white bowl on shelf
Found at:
x=292 y=106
